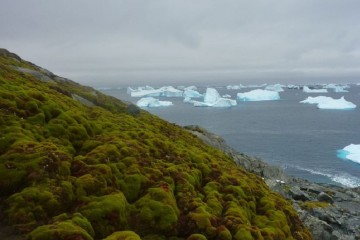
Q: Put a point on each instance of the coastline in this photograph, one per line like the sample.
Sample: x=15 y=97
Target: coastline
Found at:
x=329 y=211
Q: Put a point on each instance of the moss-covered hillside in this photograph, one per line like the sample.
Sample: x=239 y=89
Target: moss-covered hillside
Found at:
x=76 y=164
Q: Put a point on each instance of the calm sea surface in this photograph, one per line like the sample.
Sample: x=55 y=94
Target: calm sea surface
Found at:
x=298 y=137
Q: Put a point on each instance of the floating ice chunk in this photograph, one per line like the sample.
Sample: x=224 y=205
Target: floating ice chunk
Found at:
x=235 y=87
x=308 y=90
x=293 y=86
x=240 y=86
x=167 y=91
x=145 y=93
x=213 y=99
x=170 y=92
x=152 y=102
x=190 y=92
x=225 y=102
x=258 y=95
x=226 y=96
x=316 y=100
x=337 y=88
x=350 y=152
x=211 y=96
x=275 y=87
x=329 y=103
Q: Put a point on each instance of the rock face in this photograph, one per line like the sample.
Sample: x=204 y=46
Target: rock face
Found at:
x=330 y=212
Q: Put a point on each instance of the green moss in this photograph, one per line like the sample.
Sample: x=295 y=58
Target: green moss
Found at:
x=60 y=231
x=243 y=234
x=112 y=167
x=123 y=235
x=107 y=213
x=314 y=204
x=157 y=211
x=196 y=236
x=33 y=204
x=131 y=186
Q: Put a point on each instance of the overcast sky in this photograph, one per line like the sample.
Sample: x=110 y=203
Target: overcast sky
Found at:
x=132 y=42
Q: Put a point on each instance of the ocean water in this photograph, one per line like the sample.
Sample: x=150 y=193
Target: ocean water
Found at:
x=297 y=137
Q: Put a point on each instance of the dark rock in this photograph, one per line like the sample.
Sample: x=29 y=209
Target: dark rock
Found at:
x=297 y=194
x=37 y=74
x=324 y=197
x=6 y=53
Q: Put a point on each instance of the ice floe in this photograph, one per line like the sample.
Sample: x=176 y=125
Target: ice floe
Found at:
x=152 y=102
x=324 y=102
x=191 y=92
x=308 y=90
x=275 y=87
x=212 y=98
x=240 y=86
x=337 y=88
x=350 y=152
x=167 y=91
x=258 y=95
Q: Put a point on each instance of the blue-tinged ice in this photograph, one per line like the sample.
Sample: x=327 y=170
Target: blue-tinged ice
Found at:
x=308 y=90
x=212 y=98
x=337 y=88
x=191 y=92
x=324 y=102
x=350 y=152
x=258 y=95
x=167 y=91
x=275 y=87
x=152 y=102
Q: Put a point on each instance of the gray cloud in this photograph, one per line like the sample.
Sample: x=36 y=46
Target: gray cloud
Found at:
x=115 y=42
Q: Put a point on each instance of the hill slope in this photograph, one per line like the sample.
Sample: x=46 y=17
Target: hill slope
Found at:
x=76 y=164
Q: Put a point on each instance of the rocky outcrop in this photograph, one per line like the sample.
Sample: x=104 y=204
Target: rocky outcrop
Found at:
x=329 y=211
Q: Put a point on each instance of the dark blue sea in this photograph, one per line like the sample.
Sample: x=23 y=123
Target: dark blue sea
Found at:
x=297 y=137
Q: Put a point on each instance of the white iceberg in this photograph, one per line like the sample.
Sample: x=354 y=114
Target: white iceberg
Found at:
x=329 y=103
x=226 y=96
x=152 y=102
x=350 y=152
x=275 y=87
x=258 y=95
x=191 y=92
x=213 y=99
x=167 y=91
x=235 y=87
x=337 y=88
x=308 y=90
x=293 y=86
x=240 y=86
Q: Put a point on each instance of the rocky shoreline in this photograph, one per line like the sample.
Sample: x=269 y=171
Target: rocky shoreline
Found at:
x=329 y=211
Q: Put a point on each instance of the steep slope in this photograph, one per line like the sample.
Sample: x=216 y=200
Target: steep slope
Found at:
x=76 y=164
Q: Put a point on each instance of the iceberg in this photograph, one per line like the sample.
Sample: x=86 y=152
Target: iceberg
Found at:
x=240 y=86
x=337 y=88
x=350 y=152
x=167 y=91
x=226 y=96
x=293 y=86
x=191 y=92
x=213 y=99
x=152 y=102
x=308 y=90
x=258 y=95
x=275 y=87
x=329 y=103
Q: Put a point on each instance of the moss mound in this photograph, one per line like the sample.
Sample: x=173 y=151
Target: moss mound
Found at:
x=70 y=170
